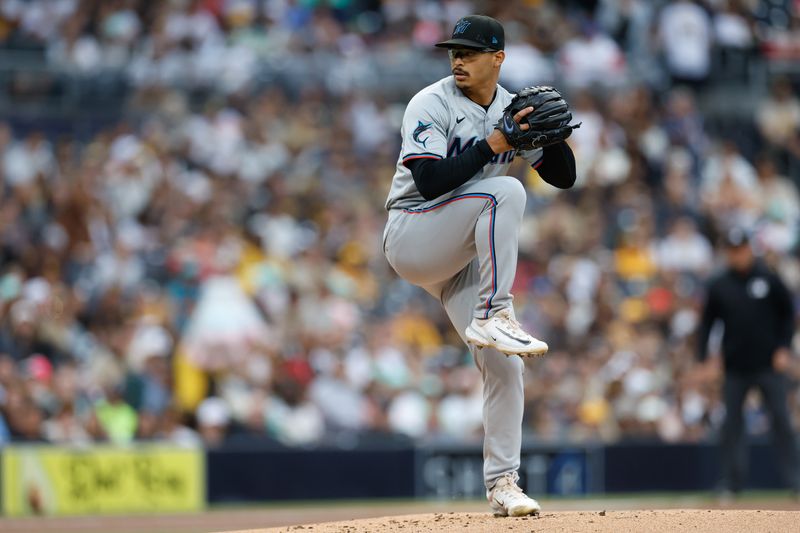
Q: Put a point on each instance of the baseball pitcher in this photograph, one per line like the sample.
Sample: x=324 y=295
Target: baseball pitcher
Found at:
x=454 y=219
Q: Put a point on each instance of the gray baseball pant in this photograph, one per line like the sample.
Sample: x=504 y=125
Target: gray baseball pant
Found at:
x=463 y=250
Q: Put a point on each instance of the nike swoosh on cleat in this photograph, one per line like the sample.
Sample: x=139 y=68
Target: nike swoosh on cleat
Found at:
x=459 y=120
x=521 y=341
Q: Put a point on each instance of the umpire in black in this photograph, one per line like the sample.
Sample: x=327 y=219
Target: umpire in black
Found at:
x=756 y=310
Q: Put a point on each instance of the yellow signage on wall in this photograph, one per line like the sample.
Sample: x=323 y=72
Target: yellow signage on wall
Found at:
x=101 y=480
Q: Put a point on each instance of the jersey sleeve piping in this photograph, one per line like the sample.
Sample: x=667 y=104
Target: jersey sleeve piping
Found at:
x=423 y=155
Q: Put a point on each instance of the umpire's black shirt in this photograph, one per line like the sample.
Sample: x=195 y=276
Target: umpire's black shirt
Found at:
x=756 y=309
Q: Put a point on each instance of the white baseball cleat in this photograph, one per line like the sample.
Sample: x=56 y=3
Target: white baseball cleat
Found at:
x=507 y=499
x=504 y=333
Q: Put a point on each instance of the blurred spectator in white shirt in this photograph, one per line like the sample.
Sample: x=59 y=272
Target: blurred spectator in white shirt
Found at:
x=192 y=23
x=66 y=428
x=409 y=413
x=525 y=64
x=586 y=141
x=459 y=413
x=24 y=161
x=341 y=405
x=213 y=421
x=591 y=58
x=731 y=28
x=291 y=417
x=730 y=188
x=685 y=34
x=174 y=431
x=780 y=208
x=778 y=117
x=685 y=249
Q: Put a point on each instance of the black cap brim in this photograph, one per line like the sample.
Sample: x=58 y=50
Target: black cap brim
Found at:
x=466 y=43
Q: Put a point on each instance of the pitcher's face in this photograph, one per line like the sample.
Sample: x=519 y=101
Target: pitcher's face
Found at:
x=475 y=68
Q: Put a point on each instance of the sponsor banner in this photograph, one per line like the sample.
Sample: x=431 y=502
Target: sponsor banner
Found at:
x=52 y=480
x=457 y=471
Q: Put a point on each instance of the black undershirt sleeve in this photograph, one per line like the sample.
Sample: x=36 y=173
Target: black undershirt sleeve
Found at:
x=435 y=177
x=558 y=166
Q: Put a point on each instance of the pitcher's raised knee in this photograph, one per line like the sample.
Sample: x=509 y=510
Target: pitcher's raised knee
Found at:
x=506 y=190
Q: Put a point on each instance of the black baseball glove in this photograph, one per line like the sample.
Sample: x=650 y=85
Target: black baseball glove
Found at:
x=549 y=121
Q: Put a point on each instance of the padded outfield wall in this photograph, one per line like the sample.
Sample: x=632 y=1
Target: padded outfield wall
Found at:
x=153 y=478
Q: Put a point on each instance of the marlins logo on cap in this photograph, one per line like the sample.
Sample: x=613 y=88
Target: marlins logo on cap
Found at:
x=476 y=31
x=461 y=26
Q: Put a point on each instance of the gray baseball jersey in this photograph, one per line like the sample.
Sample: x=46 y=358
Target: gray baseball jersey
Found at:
x=462 y=247
x=441 y=122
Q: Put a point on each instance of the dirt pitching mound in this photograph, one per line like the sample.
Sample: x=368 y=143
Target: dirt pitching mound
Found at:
x=716 y=521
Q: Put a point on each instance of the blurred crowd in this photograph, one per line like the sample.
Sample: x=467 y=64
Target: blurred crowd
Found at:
x=209 y=270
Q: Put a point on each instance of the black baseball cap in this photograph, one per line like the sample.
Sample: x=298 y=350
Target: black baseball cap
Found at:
x=476 y=31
